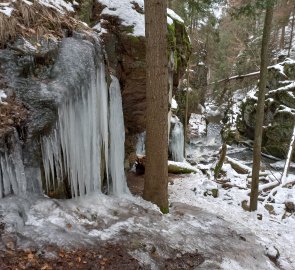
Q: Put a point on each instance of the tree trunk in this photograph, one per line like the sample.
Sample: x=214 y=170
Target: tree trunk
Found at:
x=186 y=109
x=260 y=108
x=156 y=171
x=291 y=34
x=219 y=165
x=282 y=41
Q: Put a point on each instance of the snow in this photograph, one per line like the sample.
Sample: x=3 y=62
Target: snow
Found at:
x=279 y=68
x=28 y=2
x=169 y=20
x=197 y=125
x=182 y=164
x=124 y=9
x=126 y=12
x=271 y=230
x=2 y=95
x=174 y=104
x=288 y=87
x=6 y=9
x=59 y=5
x=174 y=16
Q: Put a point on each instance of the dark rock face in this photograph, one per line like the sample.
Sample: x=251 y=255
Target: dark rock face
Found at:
x=126 y=55
x=279 y=110
x=126 y=58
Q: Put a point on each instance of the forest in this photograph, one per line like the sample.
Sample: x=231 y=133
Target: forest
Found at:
x=147 y=134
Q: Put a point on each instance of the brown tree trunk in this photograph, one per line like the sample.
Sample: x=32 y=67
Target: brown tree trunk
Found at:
x=156 y=171
x=186 y=109
x=291 y=34
x=282 y=41
x=260 y=108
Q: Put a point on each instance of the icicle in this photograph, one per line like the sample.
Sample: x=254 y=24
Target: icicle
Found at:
x=176 y=145
x=117 y=139
x=12 y=174
x=140 y=145
x=73 y=150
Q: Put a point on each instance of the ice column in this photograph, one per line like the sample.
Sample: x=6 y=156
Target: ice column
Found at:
x=12 y=173
x=74 y=148
x=117 y=139
x=176 y=145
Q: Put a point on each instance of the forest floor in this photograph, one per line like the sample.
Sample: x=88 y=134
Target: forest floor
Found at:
x=105 y=232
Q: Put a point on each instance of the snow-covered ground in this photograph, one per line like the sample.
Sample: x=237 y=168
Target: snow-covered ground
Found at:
x=216 y=227
x=273 y=231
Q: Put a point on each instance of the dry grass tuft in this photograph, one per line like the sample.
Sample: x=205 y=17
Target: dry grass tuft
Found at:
x=34 y=21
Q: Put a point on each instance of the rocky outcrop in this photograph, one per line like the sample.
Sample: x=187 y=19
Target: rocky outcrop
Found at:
x=47 y=62
x=125 y=47
x=124 y=42
x=279 y=110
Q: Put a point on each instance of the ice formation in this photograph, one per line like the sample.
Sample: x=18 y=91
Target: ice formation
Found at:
x=140 y=145
x=75 y=148
x=176 y=145
x=117 y=139
x=12 y=173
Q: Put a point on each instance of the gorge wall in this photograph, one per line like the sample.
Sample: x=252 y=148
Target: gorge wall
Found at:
x=57 y=82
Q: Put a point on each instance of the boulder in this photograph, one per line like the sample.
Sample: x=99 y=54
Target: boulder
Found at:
x=279 y=110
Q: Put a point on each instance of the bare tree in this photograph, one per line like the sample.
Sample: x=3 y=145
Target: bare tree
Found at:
x=156 y=171
x=291 y=34
x=260 y=107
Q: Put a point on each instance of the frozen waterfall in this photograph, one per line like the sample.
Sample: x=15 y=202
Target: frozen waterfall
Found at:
x=176 y=145
x=117 y=139
x=78 y=149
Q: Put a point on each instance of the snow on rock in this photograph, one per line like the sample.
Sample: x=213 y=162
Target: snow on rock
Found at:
x=6 y=9
x=197 y=125
x=279 y=68
x=183 y=167
x=174 y=16
x=174 y=104
x=2 y=96
x=131 y=13
x=288 y=87
x=126 y=12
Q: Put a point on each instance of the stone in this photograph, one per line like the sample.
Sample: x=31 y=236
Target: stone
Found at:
x=279 y=111
x=290 y=206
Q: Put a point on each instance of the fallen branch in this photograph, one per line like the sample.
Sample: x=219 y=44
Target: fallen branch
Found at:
x=237 y=77
x=221 y=161
x=237 y=166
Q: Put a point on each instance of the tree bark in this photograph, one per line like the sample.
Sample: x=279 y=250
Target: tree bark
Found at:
x=156 y=171
x=219 y=165
x=291 y=34
x=282 y=41
x=260 y=108
x=186 y=108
